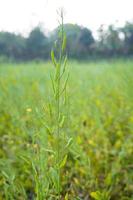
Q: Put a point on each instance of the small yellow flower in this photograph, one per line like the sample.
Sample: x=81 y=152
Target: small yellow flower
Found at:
x=35 y=146
x=28 y=145
x=131 y=119
x=76 y=181
x=91 y=142
x=98 y=103
x=118 y=144
x=29 y=110
x=79 y=140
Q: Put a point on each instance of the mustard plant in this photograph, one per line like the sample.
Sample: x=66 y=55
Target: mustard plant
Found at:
x=59 y=84
x=54 y=145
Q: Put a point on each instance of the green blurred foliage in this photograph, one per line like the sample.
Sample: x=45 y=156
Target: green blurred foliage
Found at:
x=100 y=127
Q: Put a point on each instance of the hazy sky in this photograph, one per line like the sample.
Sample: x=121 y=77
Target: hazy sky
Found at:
x=22 y=15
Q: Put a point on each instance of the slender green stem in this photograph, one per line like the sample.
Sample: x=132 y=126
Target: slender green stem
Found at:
x=58 y=133
x=58 y=109
x=59 y=64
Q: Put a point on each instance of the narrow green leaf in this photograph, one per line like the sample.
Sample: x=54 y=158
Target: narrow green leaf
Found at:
x=62 y=164
x=34 y=169
x=96 y=195
x=64 y=43
x=5 y=174
x=50 y=109
x=62 y=121
x=49 y=131
x=52 y=81
x=49 y=150
x=66 y=196
x=53 y=58
x=69 y=142
x=54 y=177
x=57 y=74
x=65 y=84
x=25 y=159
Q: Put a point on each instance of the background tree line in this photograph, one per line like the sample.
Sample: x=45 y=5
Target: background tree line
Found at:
x=81 y=43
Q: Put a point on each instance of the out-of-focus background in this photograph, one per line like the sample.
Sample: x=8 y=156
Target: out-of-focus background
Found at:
x=96 y=117
x=94 y=28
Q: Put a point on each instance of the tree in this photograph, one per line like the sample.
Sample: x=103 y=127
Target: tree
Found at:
x=127 y=30
x=109 y=43
x=11 y=45
x=112 y=41
x=79 y=40
x=37 y=44
x=85 y=42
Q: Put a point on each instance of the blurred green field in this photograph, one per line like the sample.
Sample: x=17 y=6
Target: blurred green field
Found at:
x=100 y=121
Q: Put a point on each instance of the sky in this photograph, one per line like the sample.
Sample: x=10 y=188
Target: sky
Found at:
x=21 y=16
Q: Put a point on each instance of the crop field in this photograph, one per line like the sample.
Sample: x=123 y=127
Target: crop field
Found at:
x=92 y=156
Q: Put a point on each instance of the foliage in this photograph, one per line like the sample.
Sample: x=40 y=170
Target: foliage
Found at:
x=99 y=131
x=37 y=44
x=11 y=45
x=79 y=40
x=127 y=30
x=111 y=42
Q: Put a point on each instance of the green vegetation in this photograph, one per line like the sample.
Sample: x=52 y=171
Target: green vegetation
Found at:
x=97 y=134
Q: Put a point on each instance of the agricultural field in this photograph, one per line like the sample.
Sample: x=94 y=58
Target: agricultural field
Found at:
x=96 y=142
